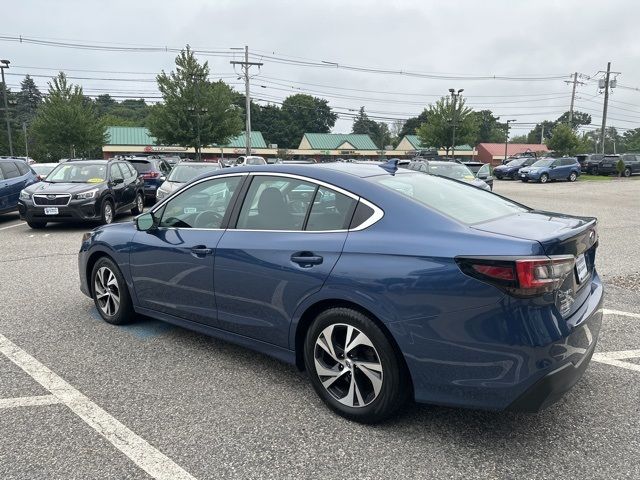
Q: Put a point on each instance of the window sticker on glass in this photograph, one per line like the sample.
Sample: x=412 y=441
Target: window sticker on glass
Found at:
x=188 y=210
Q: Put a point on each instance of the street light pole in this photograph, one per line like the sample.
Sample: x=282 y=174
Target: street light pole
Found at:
x=506 y=138
x=5 y=64
x=454 y=97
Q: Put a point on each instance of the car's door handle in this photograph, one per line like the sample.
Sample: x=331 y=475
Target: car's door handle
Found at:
x=306 y=259
x=201 y=251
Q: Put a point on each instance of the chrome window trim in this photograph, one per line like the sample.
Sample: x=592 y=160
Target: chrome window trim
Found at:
x=377 y=215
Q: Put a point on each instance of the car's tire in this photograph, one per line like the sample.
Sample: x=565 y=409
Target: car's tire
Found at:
x=37 y=225
x=627 y=172
x=366 y=394
x=107 y=212
x=594 y=170
x=544 y=178
x=110 y=293
x=139 y=208
x=573 y=177
x=524 y=180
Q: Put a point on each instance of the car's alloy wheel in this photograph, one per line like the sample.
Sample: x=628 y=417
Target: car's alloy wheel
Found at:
x=544 y=178
x=107 y=291
x=353 y=366
x=348 y=365
x=110 y=293
x=573 y=177
x=627 y=172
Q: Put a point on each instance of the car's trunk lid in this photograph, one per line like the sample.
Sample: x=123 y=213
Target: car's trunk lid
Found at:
x=559 y=235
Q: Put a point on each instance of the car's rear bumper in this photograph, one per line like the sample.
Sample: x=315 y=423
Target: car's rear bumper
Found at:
x=607 y=170
x=507 y=355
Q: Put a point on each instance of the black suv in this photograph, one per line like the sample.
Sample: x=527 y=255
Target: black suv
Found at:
x=83 y=190
x=609 y=164
x=153 y=171
x=589 y=163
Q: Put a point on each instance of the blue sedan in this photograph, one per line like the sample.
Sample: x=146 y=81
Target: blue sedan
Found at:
x=384 y=285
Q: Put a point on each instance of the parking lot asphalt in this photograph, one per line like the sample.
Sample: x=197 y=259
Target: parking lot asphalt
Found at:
x=151 y=399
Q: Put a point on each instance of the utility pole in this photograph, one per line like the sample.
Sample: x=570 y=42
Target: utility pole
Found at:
x=26 y=143
x=573 y=93
x=607 y=85
x=454 y=122
x=5 y=64
x=245 y=69
x=506 y=139
x=541 y=133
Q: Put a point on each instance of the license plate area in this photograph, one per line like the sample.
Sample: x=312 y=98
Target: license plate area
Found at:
x=51 y=211
x=581 y=268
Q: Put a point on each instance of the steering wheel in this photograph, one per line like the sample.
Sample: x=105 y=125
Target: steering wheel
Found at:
x=208 y=218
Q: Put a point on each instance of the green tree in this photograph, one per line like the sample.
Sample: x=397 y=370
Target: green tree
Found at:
x=564 y=140
x=489 y=129
x=29 y=100
x=65 y=125
x=306 y=114
x=411 y=124
x=437 y=131
x=194 y=112
x=631 y=139
x=613 y=142
x=578 y=119
x=517 y=139
x=378 y=131
x=541 y=132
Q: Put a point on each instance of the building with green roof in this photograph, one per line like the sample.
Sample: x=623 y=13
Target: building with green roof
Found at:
x=411 y=143
x=136 y=140
x=337 y=141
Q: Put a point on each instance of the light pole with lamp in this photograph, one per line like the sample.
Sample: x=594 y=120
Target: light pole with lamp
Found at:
x=506 y=139
x=5 y=64
x=454 y=122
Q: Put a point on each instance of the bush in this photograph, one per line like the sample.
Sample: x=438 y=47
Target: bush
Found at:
x=620 y=166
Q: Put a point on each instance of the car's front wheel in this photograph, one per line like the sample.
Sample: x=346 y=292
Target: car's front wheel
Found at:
x=139 y=208
x=627 y=172
x=573 y=177
x=544 y=178
x=110 y=293
x=353 y=366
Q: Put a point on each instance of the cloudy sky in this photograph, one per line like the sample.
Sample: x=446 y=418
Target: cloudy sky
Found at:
x=536 y=44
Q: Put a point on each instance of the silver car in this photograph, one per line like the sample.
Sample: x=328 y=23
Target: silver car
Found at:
x=182 y=173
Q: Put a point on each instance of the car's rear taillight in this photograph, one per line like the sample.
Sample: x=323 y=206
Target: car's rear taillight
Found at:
x=150 y=175
x=526 y=277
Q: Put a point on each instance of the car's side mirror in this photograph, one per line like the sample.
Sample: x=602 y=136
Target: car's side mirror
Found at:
x=145 y=222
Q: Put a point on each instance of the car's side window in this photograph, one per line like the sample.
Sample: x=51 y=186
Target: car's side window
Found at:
x=276 y=203
x=203 y=205
x=126 y=170
x=9 y=170
x=484 y=171
x=116 y=174
x=331 y=210
x=23 y=168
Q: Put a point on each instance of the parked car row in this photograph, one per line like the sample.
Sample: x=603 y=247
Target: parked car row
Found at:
x=540 y=170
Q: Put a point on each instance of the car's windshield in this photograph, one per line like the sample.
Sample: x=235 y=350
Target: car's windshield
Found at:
x=42 y=169
x=545 y=162
x=450 y=170
x=464 y=203
x=185 y=172
x=78 y=173
x=517 y=162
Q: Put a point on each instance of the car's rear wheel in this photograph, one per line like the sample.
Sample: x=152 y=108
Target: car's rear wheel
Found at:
x=573 y=177
x=594 y=170
x=627 y=172
x=107 y=213
x=37 y=225
x=353 y=366
x=544 y=178
x=139 y=208
x=110 y=293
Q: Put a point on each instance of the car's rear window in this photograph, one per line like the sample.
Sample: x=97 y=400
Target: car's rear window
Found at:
x=462 y=202
x=142 y=166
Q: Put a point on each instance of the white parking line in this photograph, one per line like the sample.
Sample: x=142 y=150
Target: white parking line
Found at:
x=606 y=311
x=11 y=226
x=615 y=359
x=29 y=401
x=137 y=449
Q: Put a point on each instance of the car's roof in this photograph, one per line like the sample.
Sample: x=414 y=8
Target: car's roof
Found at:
x=359 y=170
x=96 y=161
x=199 y=164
